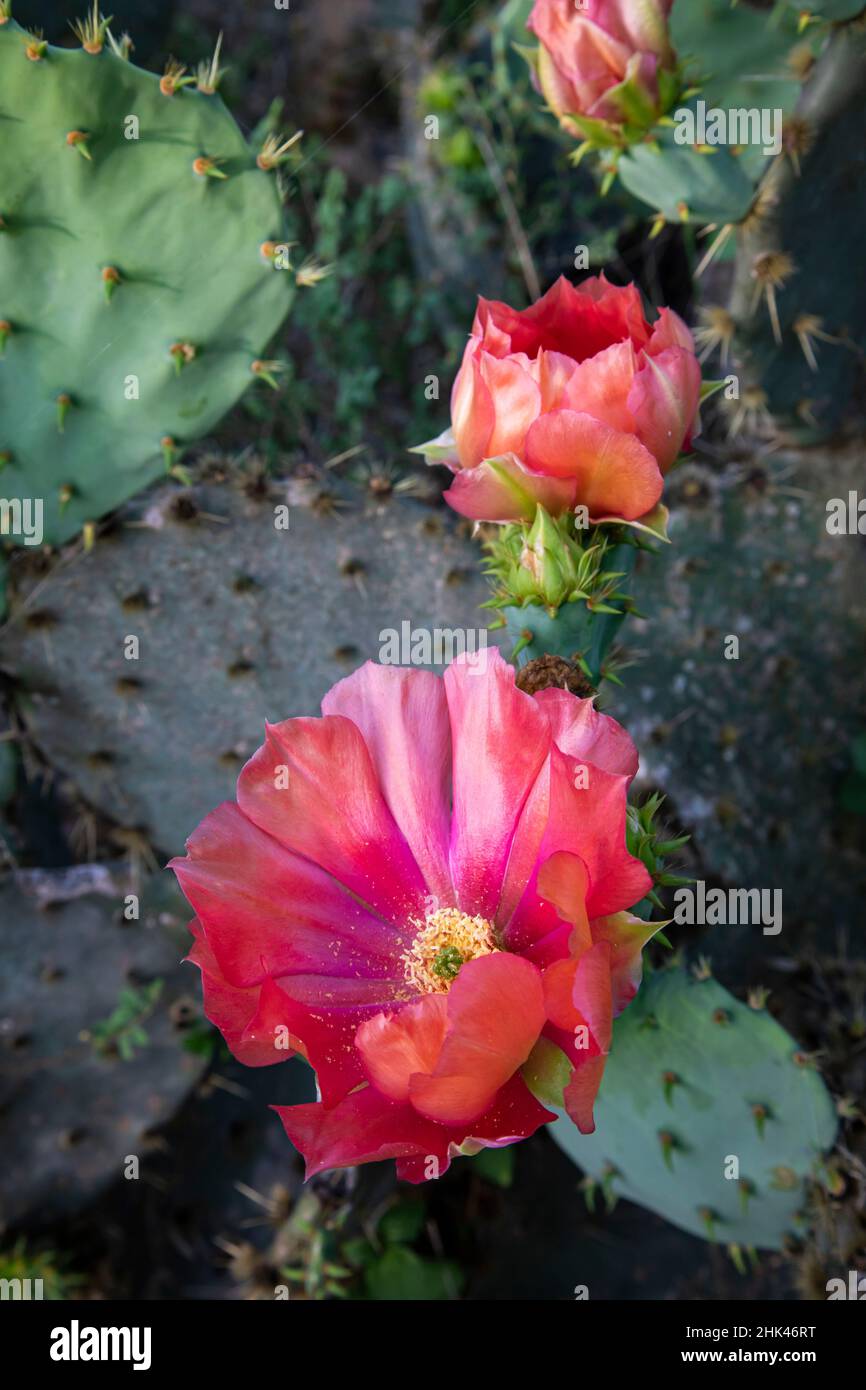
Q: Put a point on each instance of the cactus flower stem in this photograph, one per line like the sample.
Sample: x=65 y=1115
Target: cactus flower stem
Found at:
x=64 y=405
x=88 y=535
x=6 y=459
x=5 y=11
x=65 y=495
x=5 y=334
x=78 y=140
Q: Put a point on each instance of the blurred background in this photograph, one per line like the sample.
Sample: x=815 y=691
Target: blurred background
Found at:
x=141 y=1161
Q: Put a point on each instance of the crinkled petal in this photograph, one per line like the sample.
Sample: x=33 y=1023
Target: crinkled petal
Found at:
x=582 y=732
x=626 y=935
x=600 y=386
x=366 y=1127
x=394 y=1047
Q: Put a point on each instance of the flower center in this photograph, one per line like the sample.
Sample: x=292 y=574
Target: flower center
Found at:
x=447 y=940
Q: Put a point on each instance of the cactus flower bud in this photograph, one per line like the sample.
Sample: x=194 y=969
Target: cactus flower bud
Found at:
x=5 y=334
x=605 y=67
x=548 y=556
x=64 y=405
x=575 y=402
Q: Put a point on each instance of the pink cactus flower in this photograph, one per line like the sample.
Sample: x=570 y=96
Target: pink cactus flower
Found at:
x=601 y=59
x=575 y=401
x=425 y=894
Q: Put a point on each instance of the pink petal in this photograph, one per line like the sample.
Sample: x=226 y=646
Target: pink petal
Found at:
x=365 y=1126
x=394 y=1047
x=516 y=401
x=553 y=371
x=403 y=717
x=267 y=911
x=503 y=490
x=582 y=732
x=332 y=811
x=500 y=739
x=669 y=331
x=472 y=412
x=495 y=1015
x=583 y=820
x=664 y=401
x=626 y=935
x=600 y=386
x=247 y=1022
x=612 y=470
x=582 y=1090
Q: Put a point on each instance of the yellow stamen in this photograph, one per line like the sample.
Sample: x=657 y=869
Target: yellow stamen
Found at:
x=447 y=939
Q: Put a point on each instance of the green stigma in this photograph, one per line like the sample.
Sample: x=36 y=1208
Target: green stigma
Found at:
x=447 y=963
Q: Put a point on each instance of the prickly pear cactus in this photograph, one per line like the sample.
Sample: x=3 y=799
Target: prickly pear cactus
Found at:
x=798 y=311
x=86 y=1074
x=205 y=572
x=142 y=270
x=708 y=1115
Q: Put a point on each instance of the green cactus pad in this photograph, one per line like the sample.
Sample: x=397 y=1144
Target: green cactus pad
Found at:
x=738 y=59
x=186 y=250
x=685 y=185
x=267 y=619
x=694 y=1079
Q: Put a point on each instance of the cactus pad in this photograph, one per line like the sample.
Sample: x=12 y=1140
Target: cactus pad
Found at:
x=696 y=1079
x=234 y=597
x=123 y=272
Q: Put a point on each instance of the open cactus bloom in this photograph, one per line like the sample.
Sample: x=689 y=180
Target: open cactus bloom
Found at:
x=425 y=893
x=576 y=401
x=606 y=68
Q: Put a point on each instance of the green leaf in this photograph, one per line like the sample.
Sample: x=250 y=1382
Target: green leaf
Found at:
x=400 y=1275
x=403 y=1222
x=496 y=1165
